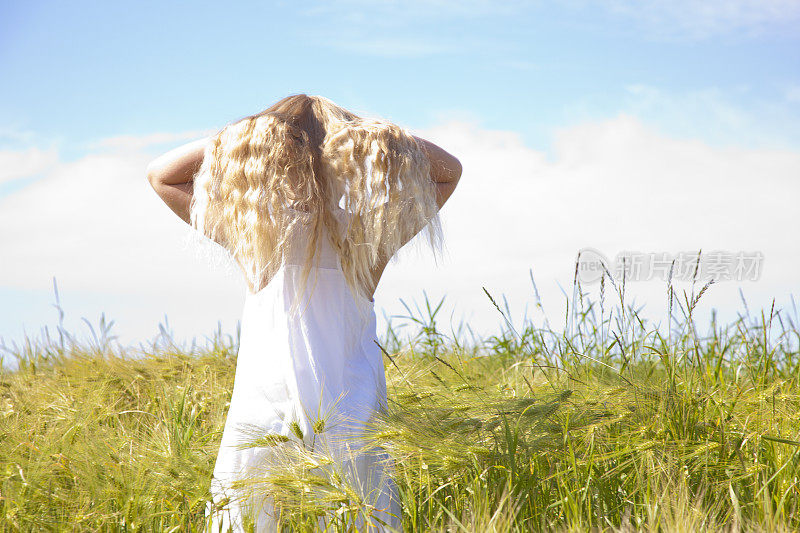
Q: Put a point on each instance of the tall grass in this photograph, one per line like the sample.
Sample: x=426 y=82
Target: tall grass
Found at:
x=611 y=423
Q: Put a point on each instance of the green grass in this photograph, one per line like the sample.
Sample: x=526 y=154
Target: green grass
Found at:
x=611 y=425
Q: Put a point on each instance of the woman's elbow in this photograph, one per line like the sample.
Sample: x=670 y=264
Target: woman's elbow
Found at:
x=152 y=173
x=452 y=170
x=457 y=168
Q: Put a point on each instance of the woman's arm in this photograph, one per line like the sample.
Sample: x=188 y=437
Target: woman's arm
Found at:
x=171 y=175
x=445 y=170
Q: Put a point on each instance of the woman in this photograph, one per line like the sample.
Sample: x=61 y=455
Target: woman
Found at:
x=311 y=201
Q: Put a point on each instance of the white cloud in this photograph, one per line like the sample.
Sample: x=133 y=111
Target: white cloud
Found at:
x=733 y=117
x=613 y=185
x=8 y=133
x=97 y=224
x=403 y=29
x=15 y=164
x=98 y=227
x=690 y=19
x=141 y=142
x=656 y=19
x=390 y=47
x=398 y=29
x=793 y=94
x=389 y=11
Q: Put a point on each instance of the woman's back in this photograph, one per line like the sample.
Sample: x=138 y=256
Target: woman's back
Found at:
x=316 y=365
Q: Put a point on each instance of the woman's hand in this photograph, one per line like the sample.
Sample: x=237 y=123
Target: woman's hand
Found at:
x=171 y=175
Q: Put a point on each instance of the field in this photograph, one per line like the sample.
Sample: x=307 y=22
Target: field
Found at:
x=607 y=425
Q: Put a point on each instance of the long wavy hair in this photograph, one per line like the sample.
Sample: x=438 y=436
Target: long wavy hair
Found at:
x=306 y=153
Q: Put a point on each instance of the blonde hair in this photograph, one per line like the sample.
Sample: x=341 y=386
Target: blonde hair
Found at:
x=307 y=152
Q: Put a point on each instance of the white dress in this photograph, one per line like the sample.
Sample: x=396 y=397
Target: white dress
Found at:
x=321 y=362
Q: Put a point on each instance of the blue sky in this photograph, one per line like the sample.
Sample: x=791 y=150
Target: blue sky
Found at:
x=87 y=70
x=126 y=81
